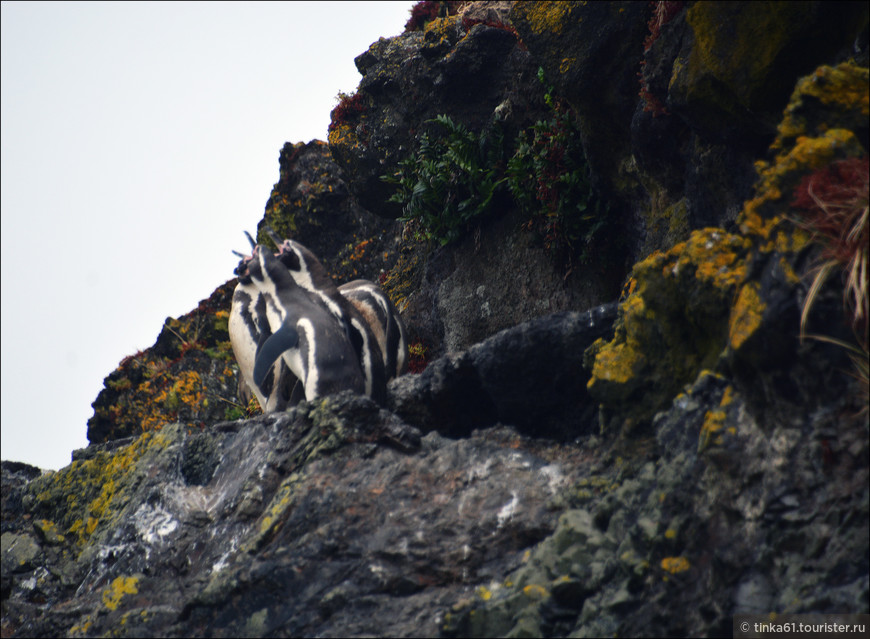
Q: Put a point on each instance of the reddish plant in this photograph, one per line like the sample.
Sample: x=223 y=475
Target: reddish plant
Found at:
x=663 y=12
x=467 y=23
x=651 y=102
x=835 y=204
x=348 y=106
x=427 y=10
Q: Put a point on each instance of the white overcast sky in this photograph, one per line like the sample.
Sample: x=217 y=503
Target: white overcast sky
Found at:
x=138 y=141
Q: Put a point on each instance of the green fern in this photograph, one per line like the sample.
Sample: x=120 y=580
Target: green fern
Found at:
x=450 y=182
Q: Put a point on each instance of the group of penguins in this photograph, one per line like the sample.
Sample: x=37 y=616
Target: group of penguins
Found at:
x=298 y=336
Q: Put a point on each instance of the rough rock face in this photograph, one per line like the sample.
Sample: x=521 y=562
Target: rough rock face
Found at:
x=530 y=376
x=474 y=73
x=311 y=203
x=731 y=514
x=651 y=466
x=237 y=530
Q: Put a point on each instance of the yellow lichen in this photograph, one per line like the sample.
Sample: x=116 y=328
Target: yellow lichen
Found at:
x=536 y=592
x=675 y=565
x=746 y=315
x=714 y=422
x=844 y=87
x=115 y=592
x=718 y=256
x=544 y=17
x=803 y=146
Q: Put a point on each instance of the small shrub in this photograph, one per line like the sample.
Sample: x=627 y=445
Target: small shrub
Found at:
x=450 y=182
x=349 y=106
x=834 y=205
x=549 y=179
x=428 y=10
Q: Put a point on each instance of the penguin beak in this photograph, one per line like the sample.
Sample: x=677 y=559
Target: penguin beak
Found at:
x=275 y=237
x=251 y=240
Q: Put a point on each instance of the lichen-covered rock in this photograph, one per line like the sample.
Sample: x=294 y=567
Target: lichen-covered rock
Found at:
x=300 y=521
x=673 y=323
x=732 y=513
x=722 y=299
x=189 y=375
x=311 y=204
x=826 y=120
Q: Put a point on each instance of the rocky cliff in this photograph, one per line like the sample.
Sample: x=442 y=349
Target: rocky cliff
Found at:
x=629 y=241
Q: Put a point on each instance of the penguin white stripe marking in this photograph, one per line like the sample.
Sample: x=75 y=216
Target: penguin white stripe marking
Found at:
x=366 y=356
x=311 y=378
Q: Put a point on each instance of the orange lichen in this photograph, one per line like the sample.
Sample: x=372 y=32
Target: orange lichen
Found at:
x=746 y=315
x=670 y=325
x=675 y=565
x=544 y=17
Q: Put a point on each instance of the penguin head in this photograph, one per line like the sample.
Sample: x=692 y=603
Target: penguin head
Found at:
x=264 y=268
x=304 y=266
x=242 y=269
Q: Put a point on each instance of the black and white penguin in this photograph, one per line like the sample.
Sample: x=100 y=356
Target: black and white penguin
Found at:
x=249 y=329
x=384 y=320
x=309 y=274
x=296 y=326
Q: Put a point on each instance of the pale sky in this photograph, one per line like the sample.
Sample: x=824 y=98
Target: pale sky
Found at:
x=138 y=142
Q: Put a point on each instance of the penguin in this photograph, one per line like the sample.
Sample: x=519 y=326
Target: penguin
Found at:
x=248 y=329
x=296 y=326
x=385 y=322
x=308 y=273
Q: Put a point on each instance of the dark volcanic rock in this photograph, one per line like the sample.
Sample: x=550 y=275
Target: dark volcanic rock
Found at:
x=530 y=376
x=471 y=73
x=729 y=504
x=311 y=204
x=335 y=518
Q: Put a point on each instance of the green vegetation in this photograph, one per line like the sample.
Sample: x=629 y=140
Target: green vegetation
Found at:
x=549 y=180
x=453 y=181
x=450 y=182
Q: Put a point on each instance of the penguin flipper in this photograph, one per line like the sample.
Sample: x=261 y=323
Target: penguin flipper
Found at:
x=281 y=340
